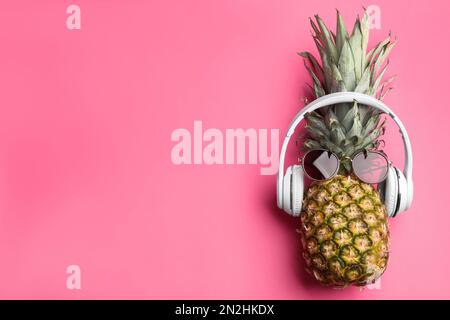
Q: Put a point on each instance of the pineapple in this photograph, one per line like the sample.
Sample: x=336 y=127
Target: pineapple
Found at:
x=344 y=232
x=344 y=228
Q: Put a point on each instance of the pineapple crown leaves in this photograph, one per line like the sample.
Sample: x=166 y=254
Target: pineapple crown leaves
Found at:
x=345 y=63
x=355 y=132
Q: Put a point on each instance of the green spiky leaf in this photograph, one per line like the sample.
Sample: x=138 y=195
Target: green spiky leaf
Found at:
x=326 y=39
x=346 y=67
x=341 y=32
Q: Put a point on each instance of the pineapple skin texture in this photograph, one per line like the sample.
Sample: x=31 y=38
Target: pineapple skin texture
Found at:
x=344 y=232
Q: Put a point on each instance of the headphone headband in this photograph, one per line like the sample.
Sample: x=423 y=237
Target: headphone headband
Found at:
x=347 y=97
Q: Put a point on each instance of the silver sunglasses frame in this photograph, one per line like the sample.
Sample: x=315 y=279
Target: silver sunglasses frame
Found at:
x=302 y=161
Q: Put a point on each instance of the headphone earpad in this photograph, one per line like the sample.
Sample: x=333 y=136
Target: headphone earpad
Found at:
x=402 y=192
x=391 y=192
x=297 y=190
x=293 y=190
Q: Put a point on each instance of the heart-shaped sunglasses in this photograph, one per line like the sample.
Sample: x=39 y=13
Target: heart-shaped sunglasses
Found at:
x=370 y=166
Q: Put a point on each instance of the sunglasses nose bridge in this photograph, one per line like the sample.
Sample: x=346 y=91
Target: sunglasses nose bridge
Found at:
x=346 y=158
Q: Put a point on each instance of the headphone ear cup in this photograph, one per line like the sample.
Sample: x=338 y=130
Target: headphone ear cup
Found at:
x=297 y=190
x=287 y=195
x=402 y=192
x=391 y=192
x=293 y=190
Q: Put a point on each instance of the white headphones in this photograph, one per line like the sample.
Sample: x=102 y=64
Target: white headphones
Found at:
x=396 y=190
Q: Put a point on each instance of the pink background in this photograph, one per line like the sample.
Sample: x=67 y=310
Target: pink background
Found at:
x=85 y=171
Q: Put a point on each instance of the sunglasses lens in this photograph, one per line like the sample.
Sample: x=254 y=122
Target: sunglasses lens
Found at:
x=372 y=168
x=320 y=164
